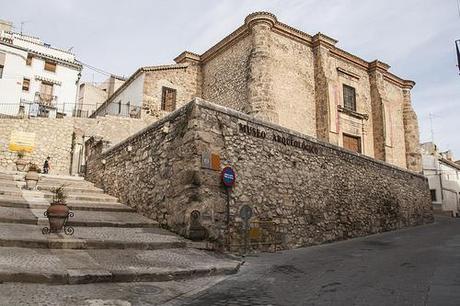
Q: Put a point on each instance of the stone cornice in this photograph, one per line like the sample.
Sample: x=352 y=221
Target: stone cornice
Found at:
x=225 y=43
x=187 y=56
x=283 y=29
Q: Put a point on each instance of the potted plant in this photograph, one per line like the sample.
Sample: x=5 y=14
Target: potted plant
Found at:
x=21 y=164
x=32 y=177
x=58 y=212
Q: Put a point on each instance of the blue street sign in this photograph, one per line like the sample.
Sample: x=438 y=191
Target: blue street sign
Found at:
x=228 y=176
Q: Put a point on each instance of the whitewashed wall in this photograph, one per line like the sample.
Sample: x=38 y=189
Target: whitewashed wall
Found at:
x=11 y=81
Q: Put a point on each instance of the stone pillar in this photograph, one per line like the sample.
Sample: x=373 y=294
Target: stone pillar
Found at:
x=326 y=104
x=378 y=114
x=261 y=102
x=411 y=132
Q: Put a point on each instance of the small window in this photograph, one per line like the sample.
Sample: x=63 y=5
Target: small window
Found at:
x=29 y=59
x=349 y=97
x=1 y=71
x=352 y=143
x=433 y=195
x=50 y=66
x=168 y=99
x=119 y=107
x=25 y=84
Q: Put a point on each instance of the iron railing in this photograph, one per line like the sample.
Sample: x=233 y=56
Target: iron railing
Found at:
x=30 y=109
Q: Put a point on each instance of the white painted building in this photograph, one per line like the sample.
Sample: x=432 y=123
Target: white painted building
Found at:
x=443 y=175
x=35 y=78
x=93 y=95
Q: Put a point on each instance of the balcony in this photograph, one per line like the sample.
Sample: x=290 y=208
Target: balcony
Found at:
x=47 y=100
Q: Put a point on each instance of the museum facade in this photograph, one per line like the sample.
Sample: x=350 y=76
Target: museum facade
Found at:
x=282 y=75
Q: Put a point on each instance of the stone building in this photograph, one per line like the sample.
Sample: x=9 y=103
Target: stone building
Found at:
x=280 y=74
x=443 y=175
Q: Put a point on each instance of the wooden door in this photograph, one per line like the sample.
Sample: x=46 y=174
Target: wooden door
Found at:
x=352 y=143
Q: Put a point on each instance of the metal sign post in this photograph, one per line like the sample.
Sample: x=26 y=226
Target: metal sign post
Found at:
x=228 y=179
x=245 y=215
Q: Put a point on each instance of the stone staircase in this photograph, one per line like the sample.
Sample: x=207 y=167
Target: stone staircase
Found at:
x=111 y=242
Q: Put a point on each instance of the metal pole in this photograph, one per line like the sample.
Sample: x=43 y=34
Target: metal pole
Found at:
x=228 y=207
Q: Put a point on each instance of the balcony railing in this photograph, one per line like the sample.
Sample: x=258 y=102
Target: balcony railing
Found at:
x=45 y=99
x=30 y=109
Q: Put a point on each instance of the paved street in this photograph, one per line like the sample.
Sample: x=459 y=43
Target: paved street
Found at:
x=418 y=266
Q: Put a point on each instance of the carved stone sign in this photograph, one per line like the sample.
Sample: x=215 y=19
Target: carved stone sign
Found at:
x=22 y=141
x=278 y=137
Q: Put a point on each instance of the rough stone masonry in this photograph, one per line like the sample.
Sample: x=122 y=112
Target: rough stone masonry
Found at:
x=302 y=191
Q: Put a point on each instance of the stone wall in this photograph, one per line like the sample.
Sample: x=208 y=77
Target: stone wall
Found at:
x=225 y=76
x=152 y=170
x=294 y=84
x=56 y=137
x=394 y=127
x=186 y=81
x=302 y=191
x=53 y=138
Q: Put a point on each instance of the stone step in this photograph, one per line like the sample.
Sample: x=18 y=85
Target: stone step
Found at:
x=10 y=191
x=11 y=183
x=6 y=177
x=81 y=218
x=12 y=177
x=66 y=184
x=19 y=202
x=73 y=190
x=31 y=236
x=61 y=177
x=84 y=197
x=90 y=266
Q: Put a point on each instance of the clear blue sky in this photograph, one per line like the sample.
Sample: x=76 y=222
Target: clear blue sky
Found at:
x=415 y=37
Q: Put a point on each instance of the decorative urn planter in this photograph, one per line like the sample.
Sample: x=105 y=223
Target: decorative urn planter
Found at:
x=58 y=213
x=32 y=177
x=21 y=165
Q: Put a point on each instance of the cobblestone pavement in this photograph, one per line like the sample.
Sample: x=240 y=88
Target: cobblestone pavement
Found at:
x=103 y=294
x=416 y=266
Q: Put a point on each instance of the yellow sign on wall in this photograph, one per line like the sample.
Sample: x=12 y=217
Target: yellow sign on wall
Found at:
x=22 y=141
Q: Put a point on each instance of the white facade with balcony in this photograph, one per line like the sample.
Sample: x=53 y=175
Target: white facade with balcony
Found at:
x=443 y=175
x=36 y=79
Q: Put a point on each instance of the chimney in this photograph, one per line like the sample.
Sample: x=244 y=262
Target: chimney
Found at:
x=5 y=25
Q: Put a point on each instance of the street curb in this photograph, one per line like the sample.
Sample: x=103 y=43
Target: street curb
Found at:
x=82 y=244
x=103 y=276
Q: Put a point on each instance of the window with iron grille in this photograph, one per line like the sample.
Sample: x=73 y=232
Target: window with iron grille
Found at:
x=168 y=99
x=349 y=97
x=25 y=84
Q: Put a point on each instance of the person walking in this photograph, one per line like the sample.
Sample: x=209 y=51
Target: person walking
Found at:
x=46 y=165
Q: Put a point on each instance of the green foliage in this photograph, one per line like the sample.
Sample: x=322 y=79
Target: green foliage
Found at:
x=59 y=195
x=21 y=154
x=33 y=167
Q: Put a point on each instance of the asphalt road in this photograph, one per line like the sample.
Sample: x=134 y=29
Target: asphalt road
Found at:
x=416 y=266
